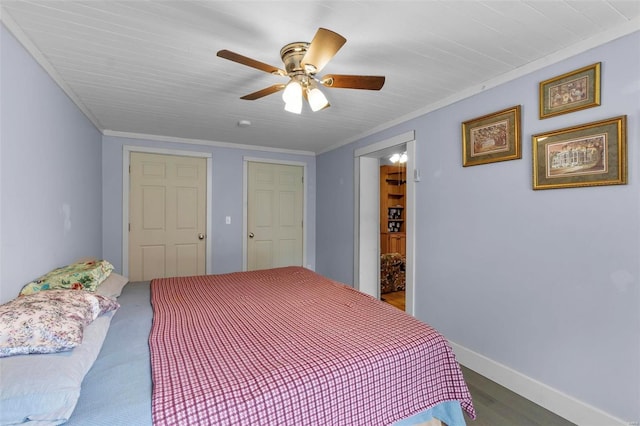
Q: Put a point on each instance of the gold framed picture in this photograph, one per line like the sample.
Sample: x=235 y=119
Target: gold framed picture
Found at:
x=587 y=155
x=492 y=138
x=570 y=92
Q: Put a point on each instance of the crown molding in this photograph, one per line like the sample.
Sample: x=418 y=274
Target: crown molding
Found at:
x=218 y=144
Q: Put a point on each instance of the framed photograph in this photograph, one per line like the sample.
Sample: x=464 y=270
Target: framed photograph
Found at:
x=491 y=138
x=570 y=92
x=587 y=155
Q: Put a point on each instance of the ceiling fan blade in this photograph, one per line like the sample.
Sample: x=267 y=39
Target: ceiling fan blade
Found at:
x=264 y=92
x=323 y=47
x=366 y=82
x=235 y=57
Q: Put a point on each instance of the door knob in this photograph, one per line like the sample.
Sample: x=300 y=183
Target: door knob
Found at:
x=251 y=235
x=201 y=236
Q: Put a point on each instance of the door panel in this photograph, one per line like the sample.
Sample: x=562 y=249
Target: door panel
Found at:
x=274 y=215
x=187 y=208
x=167 y=213
x=262 y=255
x=186 y=259
x=151 y=262
x=153 y=213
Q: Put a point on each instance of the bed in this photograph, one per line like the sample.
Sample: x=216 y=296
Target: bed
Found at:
x=280 y=346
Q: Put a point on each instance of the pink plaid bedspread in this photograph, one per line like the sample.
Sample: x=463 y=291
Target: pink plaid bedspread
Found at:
x=288 y=346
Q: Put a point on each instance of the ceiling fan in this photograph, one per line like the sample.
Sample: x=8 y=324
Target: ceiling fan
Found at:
x=302 y=61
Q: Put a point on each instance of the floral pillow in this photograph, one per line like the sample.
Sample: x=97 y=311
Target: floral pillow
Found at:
x=77 y=276
x=49 y=321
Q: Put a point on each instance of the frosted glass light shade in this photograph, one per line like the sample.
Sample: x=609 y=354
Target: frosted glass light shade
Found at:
x=292 y=93
x=316 y=99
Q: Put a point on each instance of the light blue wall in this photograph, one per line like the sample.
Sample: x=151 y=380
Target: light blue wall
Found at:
x=335 y=234
x=545 y=282
x=50 y=168
x=227 y=198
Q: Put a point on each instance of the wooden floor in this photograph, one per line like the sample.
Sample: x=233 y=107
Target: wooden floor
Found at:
x=497 y=406
x=395 y=298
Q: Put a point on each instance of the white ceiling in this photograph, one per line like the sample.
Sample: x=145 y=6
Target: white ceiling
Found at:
x=150 y=67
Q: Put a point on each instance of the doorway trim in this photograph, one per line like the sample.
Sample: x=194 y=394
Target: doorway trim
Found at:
x=362 y=215
x=245 y=204
x=126 y=154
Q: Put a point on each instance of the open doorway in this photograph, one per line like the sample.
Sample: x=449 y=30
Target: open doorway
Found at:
x=393 y=180
x=370 y=221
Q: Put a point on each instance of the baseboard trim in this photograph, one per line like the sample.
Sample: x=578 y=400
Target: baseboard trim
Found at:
x=552 y=399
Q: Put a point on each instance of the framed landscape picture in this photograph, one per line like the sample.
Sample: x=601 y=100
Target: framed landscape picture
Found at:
x=491 y=138
x=587 y=155
x=570 y=92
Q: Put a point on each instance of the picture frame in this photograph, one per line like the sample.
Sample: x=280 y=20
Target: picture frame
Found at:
x=591 y=154
x=491 y=138
x=573 y=91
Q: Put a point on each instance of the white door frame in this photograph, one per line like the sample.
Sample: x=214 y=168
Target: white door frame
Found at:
x=368 y=227
x=366 y=215
x=245 y=204
x=126 y=153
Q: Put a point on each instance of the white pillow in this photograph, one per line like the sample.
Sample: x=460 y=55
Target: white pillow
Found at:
x=43 y=389
x=112 y=286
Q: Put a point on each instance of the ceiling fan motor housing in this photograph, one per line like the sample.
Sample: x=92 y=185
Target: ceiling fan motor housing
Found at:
x=292 y=55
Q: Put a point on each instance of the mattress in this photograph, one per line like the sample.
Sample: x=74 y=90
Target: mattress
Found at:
x=117 y=389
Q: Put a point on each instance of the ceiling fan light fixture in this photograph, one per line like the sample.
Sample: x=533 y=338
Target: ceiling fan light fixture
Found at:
x=292 y=93
x=317 y=99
